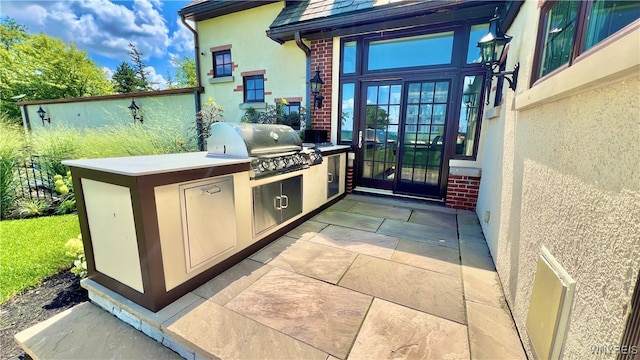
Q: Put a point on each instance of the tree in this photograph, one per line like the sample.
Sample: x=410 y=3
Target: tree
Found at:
x=140 y=69
x=185 y=72
x=43 y=67
x=124 y=79
x=377 y=118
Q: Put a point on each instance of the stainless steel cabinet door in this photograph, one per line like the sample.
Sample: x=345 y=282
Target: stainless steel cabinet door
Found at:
x=208 y=220
x=291 y=197
x=267 y=206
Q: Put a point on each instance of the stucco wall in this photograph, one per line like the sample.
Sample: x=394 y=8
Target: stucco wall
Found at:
x=561 y=169
x=175 y=109
x=251 y=50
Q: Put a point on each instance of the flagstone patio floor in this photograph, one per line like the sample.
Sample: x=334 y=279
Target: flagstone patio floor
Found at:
x=368 y=278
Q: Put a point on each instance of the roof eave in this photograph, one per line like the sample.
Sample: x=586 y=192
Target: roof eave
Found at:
x=211 y=9
x=434 y=11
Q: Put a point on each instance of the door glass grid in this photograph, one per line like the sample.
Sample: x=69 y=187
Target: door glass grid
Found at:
x=424 y=132
x=381 y=131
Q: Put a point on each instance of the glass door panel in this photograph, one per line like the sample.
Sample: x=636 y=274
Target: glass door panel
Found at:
x=423 y=137
x=380 y=134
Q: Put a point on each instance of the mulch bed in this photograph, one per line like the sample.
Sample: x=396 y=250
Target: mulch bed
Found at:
x=54 y=295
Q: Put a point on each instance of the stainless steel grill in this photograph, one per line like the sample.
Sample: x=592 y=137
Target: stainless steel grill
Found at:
x=273 y=149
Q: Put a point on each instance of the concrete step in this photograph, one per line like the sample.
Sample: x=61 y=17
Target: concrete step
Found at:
x=88 y=332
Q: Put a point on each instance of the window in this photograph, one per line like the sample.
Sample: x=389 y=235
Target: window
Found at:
x=292 y=115
x=468 y=123
x=411 y=51
x=222 y=65
x=254 y=88
x=565 y=32
x=347 y=112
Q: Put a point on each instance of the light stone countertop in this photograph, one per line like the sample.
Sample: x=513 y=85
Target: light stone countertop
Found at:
x=334 y=148
x=154 y=164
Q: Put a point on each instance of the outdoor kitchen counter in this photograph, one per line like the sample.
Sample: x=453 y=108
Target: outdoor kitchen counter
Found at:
x=155 y=164
x=156 y=227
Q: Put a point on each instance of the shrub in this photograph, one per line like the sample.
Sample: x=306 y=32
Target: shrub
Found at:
x=31 y=207
x=12 y=143
x=75 y=249
x=210 y=114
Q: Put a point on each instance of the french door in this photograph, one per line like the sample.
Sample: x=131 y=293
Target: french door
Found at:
x=401 y=140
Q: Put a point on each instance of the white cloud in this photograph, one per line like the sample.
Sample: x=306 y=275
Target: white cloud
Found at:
x=159 y=82
x=98 y=26
x=182 y=39
x=108 y=72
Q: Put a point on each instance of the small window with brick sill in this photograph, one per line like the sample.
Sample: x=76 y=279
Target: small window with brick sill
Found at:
x=254 y=88
x=222 y=65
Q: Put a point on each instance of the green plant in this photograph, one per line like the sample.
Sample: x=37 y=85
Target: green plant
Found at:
x=56 y=145
x=12 y=142
x=210 y=114
x=31 y=207
x=32 y=250
x=75 y=249
x=64 y=187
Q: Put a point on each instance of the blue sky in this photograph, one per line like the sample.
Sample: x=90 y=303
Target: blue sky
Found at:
x=104 y=29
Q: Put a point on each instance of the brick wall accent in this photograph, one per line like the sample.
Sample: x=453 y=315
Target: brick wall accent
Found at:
x=322 y=57
x=462 y=190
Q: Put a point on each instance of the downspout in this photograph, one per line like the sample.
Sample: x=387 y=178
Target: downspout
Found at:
x=307 y=53
x=196 y=94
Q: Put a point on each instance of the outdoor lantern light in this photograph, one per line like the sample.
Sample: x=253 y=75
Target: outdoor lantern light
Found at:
x=316 y=85
x=492 y=47
x=134 y=111
x=42 y=113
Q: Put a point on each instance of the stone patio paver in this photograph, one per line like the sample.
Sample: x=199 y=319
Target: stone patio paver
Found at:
x=307 y=229
x=424 y=290
x=434 y=218
x=230 y=283
x=492 y=334
x=391 y=331
x=225 y=334
x=349 y=220
x=428 y=256
x=318 y=261
x=382 y=211
x=363 y=242
x=418 y=232
x=65 y=336
x=325 y=316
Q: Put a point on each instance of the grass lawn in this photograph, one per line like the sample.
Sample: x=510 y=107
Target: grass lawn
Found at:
x=32 y=250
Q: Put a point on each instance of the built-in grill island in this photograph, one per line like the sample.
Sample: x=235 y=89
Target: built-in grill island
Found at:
x=272 y=149
x=156 y=227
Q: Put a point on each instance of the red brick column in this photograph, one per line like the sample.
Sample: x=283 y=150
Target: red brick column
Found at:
x=462 y=188
x=322 y=57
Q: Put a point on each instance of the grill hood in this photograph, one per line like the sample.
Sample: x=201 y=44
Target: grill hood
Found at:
x=252 y=140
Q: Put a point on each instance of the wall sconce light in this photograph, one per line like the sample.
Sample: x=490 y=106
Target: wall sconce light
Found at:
x=492 y=47
x=42 y=113
x=316 y=85
x=135 y=112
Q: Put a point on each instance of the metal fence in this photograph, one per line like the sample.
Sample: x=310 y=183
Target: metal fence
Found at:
x=35 y=182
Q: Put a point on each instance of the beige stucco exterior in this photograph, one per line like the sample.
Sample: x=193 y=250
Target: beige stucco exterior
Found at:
x=561 y=169
x=251 y=50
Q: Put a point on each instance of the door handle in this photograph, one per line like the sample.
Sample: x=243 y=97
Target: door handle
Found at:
x=212 y=190
x=284 y=204
x=277 y=203
x=360 y=139
x=330 y=177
